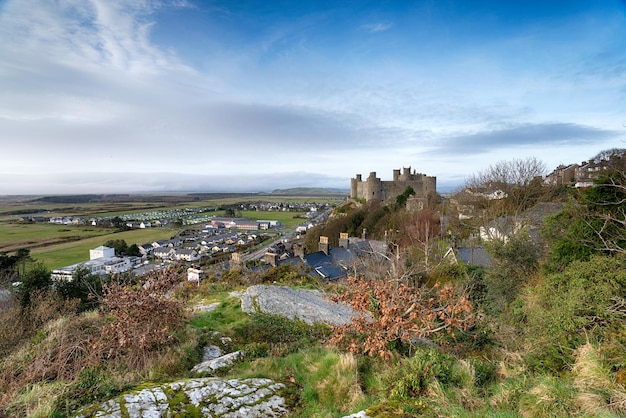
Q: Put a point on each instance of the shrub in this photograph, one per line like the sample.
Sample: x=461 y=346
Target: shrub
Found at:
x=412 y=376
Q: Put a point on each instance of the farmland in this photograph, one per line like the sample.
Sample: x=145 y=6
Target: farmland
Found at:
x=57 y=245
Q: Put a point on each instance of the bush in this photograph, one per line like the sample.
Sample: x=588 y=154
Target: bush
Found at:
x=565 y=310
x=412 y=376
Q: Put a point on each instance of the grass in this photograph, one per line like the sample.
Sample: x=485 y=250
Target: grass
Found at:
x=328 y=382
x=63 y=254
x=288 y=220
x=14 y=235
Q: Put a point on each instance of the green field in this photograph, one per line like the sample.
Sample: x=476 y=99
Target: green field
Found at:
x=15 y=235
x=59 y=255
x=287 y=219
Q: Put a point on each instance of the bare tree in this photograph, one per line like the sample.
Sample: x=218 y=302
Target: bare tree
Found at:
x=507 y=174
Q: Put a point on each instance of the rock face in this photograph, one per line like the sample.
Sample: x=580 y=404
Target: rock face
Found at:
x=208 y=397
x=309 y=306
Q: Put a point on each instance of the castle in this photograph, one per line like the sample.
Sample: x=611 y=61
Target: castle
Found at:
x=387 y=191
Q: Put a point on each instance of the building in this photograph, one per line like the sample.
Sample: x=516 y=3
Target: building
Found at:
x=373 y=189
x=101 y=252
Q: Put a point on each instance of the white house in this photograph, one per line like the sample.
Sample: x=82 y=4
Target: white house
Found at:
x=182 y=254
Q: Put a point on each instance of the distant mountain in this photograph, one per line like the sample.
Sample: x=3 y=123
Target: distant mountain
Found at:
x=310 y=191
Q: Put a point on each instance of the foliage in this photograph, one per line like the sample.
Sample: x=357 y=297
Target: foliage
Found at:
x=140 y=319
x=516 y=260
x=412 y=376
x=84 y=286
x=506 y=174
x=596 y=225
x=585 y=301
x=404 y=196
x=282 y=335
x=393 y=312
x=38 y=278
x=119 y=245
x=20 y=323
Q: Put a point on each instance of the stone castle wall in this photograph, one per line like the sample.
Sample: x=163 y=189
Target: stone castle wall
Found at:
x=372 y=188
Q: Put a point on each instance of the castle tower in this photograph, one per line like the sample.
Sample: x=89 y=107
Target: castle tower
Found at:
x=373 y=188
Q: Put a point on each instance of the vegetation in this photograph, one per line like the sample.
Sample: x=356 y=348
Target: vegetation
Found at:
x=539 y=333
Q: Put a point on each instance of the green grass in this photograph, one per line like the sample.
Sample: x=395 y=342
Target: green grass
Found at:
x=13 y=235
x=59 y=255
x=227 y=316
x=287 y=219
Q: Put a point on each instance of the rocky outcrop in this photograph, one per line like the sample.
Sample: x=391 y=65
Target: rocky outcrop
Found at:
x=218 y=363
x=309 y=306
x=208 y=397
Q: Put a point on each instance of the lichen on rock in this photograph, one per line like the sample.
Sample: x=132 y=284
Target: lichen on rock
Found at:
x=205 y=397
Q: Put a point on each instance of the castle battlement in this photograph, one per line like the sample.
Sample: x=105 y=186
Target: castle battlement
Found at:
x=373 y=188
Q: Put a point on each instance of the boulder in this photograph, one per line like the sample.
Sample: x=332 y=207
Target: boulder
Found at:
x=208 y=397
x=211 y=352
x=310 y=306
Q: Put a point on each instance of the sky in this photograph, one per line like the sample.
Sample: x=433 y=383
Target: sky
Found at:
x=125 y=96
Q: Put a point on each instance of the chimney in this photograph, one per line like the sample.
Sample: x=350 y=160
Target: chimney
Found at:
x=323 y=245
x=299 y=250
x=344 y=241
x=270 y=258
x=364 y=234
x=235 y=259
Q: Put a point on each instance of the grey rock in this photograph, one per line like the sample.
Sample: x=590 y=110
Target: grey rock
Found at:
x=309 y=306
x=231 y=398
x=360 y=414
x=206 y=308
x=211 y=352
x=218 y=363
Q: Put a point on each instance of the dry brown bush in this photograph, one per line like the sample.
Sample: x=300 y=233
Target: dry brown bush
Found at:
x=141 y=320
x=134 y=329
x=393 y=311
x=18 y=324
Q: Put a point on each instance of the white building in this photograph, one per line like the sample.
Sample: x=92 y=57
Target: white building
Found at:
x=101 y=252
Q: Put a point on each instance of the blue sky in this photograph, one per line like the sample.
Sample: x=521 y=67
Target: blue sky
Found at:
x=190 y=95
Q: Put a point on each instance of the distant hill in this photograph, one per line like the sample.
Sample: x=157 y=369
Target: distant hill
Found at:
x=310 y=191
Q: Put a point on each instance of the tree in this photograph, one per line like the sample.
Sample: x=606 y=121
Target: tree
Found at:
x=508 y=174
x=516 y=260
x=84 y=286
x=119 y=245
x=594 y=225
x=133 y=250
x=38 y=278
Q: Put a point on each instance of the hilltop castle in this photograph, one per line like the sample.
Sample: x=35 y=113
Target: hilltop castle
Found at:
x=387 y=191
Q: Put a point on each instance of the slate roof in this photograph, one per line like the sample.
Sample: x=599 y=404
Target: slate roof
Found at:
x=324 y=266
x=476 y=256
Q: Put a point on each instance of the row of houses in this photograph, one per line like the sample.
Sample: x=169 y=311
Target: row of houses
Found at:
x=583 y=174
x=331 y=263
x=192 y=247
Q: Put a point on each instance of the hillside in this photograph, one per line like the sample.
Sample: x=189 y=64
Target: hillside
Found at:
x=540 y=333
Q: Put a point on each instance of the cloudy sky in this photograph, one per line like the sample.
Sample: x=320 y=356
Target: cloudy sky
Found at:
x=248 y=95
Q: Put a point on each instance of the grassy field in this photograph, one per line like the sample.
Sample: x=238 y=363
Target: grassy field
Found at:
x=15 y=235
x=63 y=254
x=287 y=219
